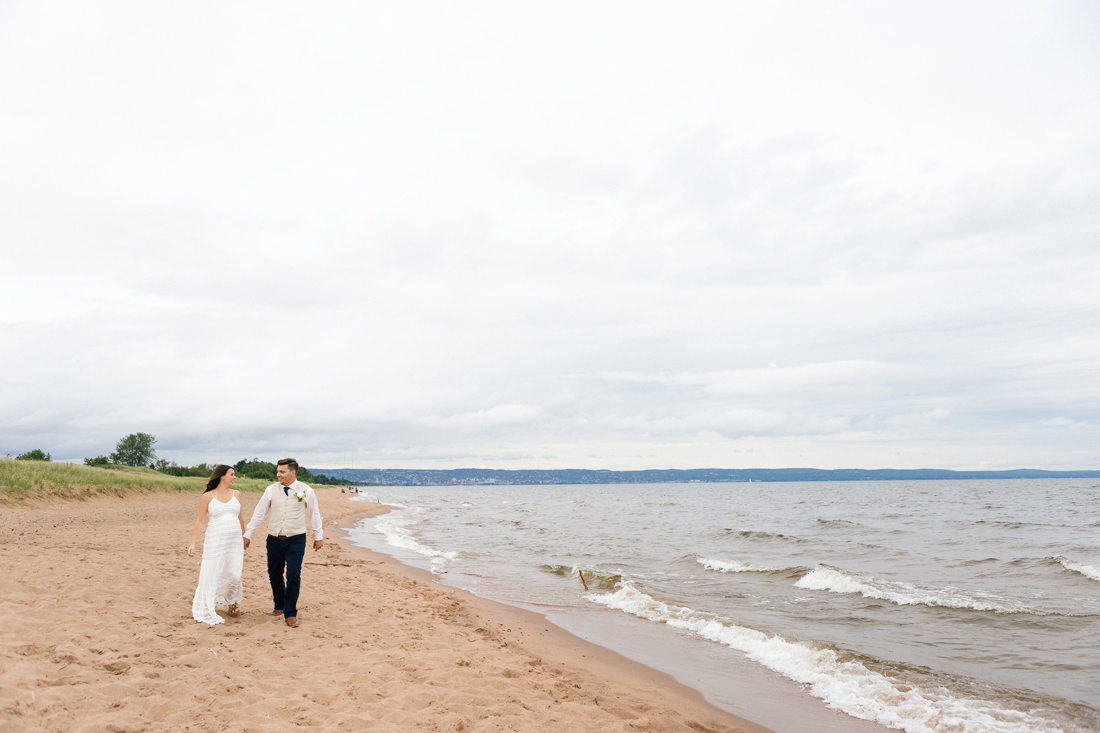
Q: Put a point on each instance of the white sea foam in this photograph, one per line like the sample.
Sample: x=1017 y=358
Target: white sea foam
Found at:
x=732 y=566
x=824 y=577
x=845 y=685
x=397 y=534
x=1089 y=571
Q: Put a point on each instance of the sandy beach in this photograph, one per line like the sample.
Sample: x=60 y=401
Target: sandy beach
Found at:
x=97 y=635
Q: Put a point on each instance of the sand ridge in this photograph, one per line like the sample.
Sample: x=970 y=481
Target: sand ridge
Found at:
x=97 y=635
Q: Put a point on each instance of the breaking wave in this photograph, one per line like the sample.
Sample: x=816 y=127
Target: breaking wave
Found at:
x=841 y=680
x=732 y=566
x=825 y=577
x=1092 y=572
x=397 y=534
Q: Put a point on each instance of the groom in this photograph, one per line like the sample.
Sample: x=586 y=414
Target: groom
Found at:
x=288 y=500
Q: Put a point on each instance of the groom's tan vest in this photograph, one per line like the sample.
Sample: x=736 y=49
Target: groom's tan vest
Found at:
x=288 y=515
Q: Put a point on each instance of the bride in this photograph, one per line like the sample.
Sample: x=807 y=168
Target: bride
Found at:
x=222 y=549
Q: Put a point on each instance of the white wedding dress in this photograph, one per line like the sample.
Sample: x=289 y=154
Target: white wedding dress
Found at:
x=222 y=562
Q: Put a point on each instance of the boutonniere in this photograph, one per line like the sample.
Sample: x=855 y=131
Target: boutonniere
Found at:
x=300 y=494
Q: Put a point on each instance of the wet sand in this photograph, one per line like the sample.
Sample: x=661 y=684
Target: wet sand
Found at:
x=97 y=635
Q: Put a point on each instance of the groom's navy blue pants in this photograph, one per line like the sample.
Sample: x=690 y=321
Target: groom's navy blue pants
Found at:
x=287 y=554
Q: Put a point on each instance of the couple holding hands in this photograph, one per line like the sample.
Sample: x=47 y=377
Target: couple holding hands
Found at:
x=288 y=501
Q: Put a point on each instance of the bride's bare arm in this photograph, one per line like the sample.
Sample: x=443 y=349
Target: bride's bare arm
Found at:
x=240 y=515
x=203 y=503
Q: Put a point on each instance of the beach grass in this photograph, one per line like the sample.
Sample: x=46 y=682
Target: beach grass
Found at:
x=20 y=480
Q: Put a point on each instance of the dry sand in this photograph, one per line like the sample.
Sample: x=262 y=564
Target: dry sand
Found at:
x=96 y=634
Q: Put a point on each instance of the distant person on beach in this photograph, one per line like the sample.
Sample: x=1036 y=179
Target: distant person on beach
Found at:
x=288 y=500
x=222 y=549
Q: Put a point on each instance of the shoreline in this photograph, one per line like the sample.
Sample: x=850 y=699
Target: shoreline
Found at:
x=554 y=645
x=99 y=637
x=707 y=672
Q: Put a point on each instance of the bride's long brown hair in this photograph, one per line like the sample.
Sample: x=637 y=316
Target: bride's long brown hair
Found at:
x=216 y=477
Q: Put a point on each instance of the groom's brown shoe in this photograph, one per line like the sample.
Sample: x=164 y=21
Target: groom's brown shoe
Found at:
x=292 y=622
x=277 y=612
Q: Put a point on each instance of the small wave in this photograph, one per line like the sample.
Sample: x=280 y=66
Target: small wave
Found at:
x=732 y=566
x=753 y=534
x=839 y=523
x=1092 y=572
x=397 y=534
x=592 y=578
x=1001 y=524
x=844 y=683
x=825 y=577
x=978 y=561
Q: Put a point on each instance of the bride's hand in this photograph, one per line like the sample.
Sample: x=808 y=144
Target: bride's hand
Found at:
x=191 y=550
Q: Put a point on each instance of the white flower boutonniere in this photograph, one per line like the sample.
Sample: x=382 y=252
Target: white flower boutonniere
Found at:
x=300 y=494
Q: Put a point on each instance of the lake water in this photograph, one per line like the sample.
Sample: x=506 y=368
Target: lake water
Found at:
x=922 y=606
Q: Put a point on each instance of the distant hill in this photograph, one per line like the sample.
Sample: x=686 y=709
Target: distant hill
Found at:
x=426 y=477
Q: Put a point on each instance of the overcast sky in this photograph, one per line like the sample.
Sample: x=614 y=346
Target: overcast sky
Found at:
x=555 y=235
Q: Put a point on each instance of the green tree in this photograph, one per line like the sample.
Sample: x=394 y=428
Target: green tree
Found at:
x=97 y=461
x=202 y=469
x=135 y=449
x=255 y=469
x=172 y=469
x=33 y=455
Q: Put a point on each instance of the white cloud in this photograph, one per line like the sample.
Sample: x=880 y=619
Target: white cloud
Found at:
x=447 y=236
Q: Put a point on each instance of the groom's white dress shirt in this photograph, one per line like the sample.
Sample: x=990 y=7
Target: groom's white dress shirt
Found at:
x=275 y=493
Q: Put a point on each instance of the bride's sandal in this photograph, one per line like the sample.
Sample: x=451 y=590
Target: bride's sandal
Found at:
x=234 y=610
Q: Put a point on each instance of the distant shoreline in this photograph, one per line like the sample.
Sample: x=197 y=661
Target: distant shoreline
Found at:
x=528 y=477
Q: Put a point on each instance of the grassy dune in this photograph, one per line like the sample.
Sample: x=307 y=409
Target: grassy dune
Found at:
x=42 y=480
